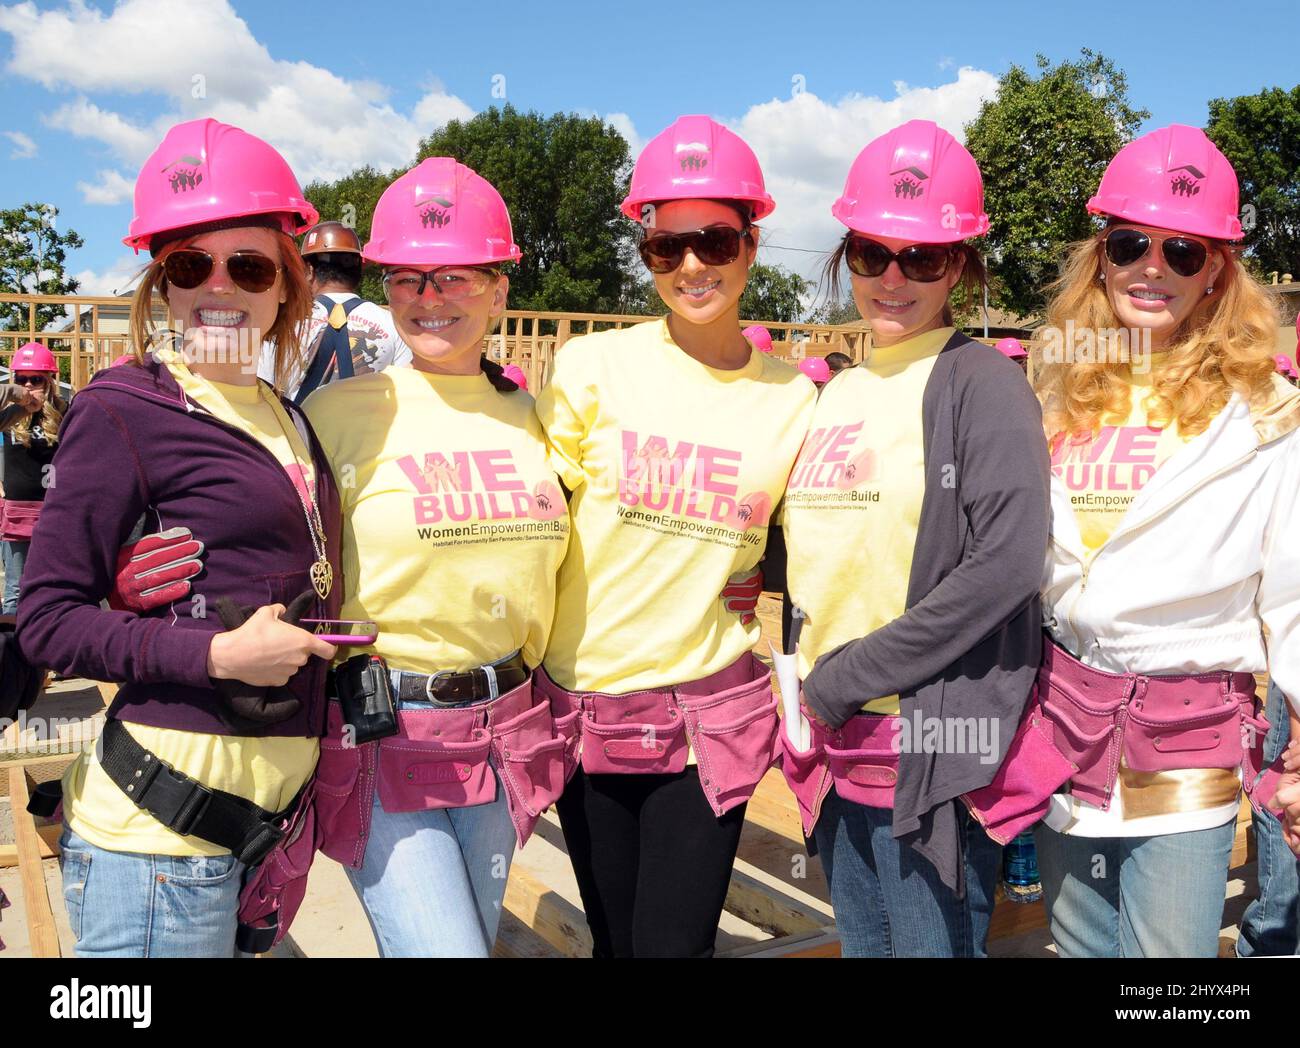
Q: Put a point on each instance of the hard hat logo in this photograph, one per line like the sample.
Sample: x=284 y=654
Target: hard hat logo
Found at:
x=909 y=185
x=182 y=180
x=1184 y=185
x=433 y=218
x=694 y=161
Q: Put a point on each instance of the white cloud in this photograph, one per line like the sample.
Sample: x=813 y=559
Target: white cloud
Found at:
x=120 y=276
x=201 y=56
x=110 y=187
x=24 y=147
x=622 y=123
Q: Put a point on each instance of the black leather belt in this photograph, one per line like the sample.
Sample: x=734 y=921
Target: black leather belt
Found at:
x=453 y=688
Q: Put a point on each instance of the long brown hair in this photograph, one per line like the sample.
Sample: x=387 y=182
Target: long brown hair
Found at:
x=1224 y=345
x=286 y=332
x=969 y=287
x=50 y=417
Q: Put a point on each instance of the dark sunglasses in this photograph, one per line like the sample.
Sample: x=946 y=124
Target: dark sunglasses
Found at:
x=712 y=245
x=30 y=380
x=188 y=267
x=924 y=263
x=1184 y=256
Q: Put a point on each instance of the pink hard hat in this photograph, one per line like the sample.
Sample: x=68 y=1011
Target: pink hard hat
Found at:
x=1011 y=347
x=816 y=369
x=516 y=375
x=125 y=358
x=759 y=337
x=914 y=183
x=208 y=175
x=1284 y=366
x=32 y=356
x=1173 y=178
x=441 y=213
x=697 y=159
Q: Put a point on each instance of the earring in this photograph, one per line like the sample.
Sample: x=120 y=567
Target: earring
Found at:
x=1210 y=290
x=1101 y=278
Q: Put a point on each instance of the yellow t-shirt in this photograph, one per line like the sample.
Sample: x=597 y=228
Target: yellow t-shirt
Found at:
x=854 y=501
x=1104 y=472
x=675 y=468
x=453 y=523
x=268 y=771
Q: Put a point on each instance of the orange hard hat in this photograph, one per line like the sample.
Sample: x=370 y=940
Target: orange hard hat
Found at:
x=331 y=237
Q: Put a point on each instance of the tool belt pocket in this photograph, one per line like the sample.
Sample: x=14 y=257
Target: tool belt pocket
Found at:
x=642 y=733
x=343 y=792
x=806 y=774
x=862 y=760
x=566 y=714
x=1195 y=739
x=530 y=757
x=438 y=759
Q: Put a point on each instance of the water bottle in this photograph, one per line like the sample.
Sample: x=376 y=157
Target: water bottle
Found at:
x=1020 y=870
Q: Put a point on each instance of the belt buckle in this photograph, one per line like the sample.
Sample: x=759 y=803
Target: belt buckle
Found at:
x=428 y=685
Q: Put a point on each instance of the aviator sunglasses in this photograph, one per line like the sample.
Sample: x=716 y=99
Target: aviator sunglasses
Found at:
x=1183 y=255
x=924 y=263
x=712 y=245
x=251 y=271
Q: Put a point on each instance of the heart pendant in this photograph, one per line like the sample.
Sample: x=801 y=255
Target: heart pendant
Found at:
x=322 y=577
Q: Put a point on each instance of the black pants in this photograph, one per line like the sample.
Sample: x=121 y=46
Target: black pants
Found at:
x=652 y=860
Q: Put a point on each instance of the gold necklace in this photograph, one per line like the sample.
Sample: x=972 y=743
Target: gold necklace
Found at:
x=322 y=572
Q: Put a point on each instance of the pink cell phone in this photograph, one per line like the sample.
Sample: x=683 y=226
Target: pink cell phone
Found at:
x=341 y=631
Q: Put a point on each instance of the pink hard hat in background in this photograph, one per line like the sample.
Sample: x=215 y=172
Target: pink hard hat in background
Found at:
x=32 y=356
x=441 y=213
x=914 y=183
x=1172 y=178
x=1011 y=347
x=516 y=375
x=125 y=358
x=759 y=337
x=1284 y=366
x=209 y=174
x=697 y=159
x=816 y=369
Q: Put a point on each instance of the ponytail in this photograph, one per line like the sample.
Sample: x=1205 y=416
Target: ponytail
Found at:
x=497 y=376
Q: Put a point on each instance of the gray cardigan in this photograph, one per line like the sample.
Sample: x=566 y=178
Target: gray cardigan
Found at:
x=969 y=643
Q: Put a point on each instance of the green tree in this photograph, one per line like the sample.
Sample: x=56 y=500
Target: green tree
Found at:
x=351 y=200
x=1042 y=146
x=1260 y=134
x=32 y=257
x=562 y=176
x=773 y=293
x=845 y=311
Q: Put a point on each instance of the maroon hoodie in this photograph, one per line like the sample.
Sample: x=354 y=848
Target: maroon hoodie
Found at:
x=133 y=446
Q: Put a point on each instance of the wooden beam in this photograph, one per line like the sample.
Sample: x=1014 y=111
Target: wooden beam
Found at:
x=48 y=843
x=547 y=913
x=42 y=932
x=773 y=807
x=769 y=908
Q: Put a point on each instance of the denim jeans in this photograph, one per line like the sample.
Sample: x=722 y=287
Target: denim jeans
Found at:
x=1268 y=927
x=14 y=557
x=432 y=882
x=1136 y=896
x=126 y=904
x=889 y=900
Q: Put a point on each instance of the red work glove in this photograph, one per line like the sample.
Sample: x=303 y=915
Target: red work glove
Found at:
x=156 y=570
x=740 y=594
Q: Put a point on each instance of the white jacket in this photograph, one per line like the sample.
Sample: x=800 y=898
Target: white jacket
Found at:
x=1206 y=557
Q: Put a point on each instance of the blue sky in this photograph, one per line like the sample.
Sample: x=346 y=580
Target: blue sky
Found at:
x=86 y=89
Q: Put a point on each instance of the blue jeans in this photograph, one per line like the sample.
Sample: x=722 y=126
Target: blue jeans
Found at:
x=1268 y=927
x=889 y=900
x=14 y=557
x=125 y=904
x=432 y=882
x=1136 y=896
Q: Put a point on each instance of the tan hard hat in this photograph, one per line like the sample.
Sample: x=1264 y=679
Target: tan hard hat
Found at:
x=333 y=237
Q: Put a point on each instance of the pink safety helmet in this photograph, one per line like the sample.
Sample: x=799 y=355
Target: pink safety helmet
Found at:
x=697 y=159
x=1284 y=366
x=1011 y=347
x=914 y=183
x=1173 y=178
x=441 y=213
x=209 y=175
x=759 y=337
x=816 y=369
x=516 y=375
x=32 y=356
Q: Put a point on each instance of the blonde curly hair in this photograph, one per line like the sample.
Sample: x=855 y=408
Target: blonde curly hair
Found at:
x=1224 y=345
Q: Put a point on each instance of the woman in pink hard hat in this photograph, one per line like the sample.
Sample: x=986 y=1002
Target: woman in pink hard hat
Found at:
x=454 y=528
x=653 y=431
x=214 y=729
x=917 y=664
x=1172 y=577
x=1012 y=349
x=30 y=427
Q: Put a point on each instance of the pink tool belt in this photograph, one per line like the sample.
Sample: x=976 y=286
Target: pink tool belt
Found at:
x=18 y=519
x=729 y=719
x=443 y=758
x=1155 y=723
x=860 y=760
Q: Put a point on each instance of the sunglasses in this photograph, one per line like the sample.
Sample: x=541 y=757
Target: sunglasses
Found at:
x=1184 y=256
x=712 y=245
x=29 y=380
x=924 y=263
x=453 y=284
x=251 y=271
